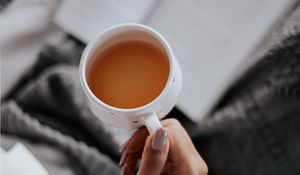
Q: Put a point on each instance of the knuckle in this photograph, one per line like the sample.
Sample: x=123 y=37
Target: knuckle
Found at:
x=196 y=165
x=175 y=125
x=174 y=122
x=198 y=170
x=204 y=170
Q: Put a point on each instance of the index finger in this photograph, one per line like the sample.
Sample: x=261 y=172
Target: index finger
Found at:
x=137 y=141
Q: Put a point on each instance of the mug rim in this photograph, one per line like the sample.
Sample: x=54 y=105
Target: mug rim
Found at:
x=86 y=56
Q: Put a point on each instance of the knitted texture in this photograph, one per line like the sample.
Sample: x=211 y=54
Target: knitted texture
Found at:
x=253 y=130
x=256 y=128
x=90 y=161
x=48 y=106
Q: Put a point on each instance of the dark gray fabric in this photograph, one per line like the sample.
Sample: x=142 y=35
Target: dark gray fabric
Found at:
x=90 y=161
x=49 y=107
x=253 y=130
x=3 y=4
x=257 y=129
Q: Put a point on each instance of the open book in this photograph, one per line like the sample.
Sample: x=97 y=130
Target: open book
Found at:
x=213 y=40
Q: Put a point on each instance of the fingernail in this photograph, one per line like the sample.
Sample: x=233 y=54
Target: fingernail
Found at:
x=160 y=139
x=123 y=146
x=124 y=155
x=123 y=170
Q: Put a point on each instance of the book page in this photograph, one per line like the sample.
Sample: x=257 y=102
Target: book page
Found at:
x=85 y=19
x=212 y=40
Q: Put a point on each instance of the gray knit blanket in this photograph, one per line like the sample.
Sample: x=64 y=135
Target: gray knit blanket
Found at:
x=254 y=129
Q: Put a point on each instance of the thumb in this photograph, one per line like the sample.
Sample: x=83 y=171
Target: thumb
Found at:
x=155 y=153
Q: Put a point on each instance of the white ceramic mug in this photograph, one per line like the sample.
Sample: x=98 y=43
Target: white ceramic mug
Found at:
x=150 y=113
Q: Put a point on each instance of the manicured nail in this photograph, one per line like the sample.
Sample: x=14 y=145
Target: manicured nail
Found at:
x=123 y=146
x=160 y=139
x=123 y=170
x=124 y=155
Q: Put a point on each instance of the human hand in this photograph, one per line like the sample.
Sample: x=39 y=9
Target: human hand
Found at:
x=167 y=151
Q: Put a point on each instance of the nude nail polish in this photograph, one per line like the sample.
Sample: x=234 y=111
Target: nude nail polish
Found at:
x=160 y=139
x=123 y=170
x=124 y=155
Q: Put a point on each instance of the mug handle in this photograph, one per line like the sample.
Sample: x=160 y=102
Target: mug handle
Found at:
x=151 y=122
